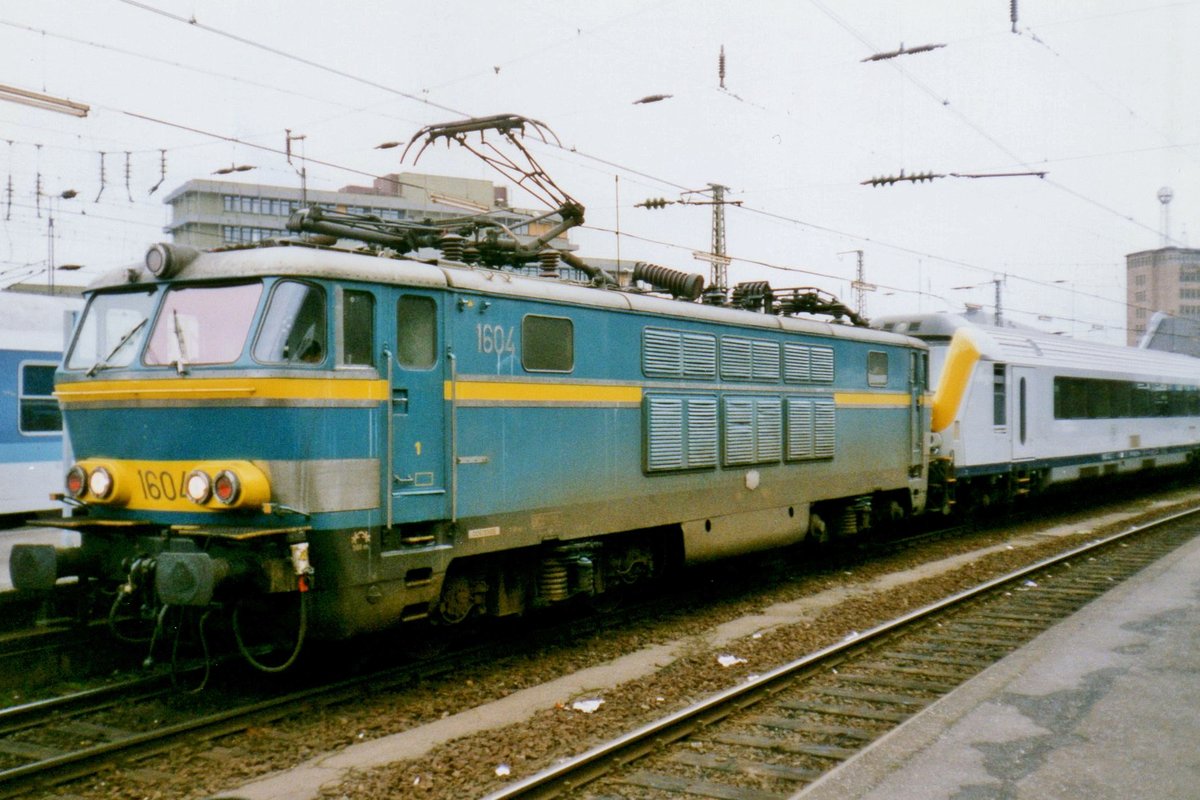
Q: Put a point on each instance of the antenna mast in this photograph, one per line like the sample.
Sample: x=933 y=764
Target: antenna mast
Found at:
x=1165 y=196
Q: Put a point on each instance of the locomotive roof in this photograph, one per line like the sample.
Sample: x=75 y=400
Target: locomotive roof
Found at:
x=336 y=264
x=1020 y=345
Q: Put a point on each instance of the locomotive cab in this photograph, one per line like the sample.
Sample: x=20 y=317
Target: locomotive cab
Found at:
x=227 y=430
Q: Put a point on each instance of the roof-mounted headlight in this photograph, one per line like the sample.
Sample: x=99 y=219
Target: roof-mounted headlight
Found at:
x=165 y=260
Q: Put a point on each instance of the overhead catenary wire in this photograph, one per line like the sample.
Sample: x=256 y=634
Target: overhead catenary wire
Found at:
x=573 y=152
x=945 y=103
x=425 y=100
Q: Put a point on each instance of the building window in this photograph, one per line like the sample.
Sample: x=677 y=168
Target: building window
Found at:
x=245 y=234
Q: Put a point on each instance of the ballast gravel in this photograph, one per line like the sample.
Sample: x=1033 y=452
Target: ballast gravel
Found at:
x=836 y=601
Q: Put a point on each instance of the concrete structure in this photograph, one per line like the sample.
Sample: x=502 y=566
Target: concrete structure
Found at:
x=1166 y=280
x=207 y=213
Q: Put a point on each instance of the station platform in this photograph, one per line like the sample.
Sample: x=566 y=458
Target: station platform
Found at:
x=1104 y=706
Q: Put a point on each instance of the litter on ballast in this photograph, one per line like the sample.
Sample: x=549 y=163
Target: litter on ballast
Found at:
x=587 y=706
x=729 y=661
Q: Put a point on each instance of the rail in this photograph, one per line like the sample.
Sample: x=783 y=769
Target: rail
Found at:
x=567 y=776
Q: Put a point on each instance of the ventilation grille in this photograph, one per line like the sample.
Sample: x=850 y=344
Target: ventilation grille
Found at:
x=810 y=429
x=681 y=432
x=753 y=430
x=676 y=354
x=806 y=364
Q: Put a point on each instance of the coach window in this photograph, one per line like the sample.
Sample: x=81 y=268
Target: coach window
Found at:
x=416 y=332
x=358 y=328
x=293 y=329
x=999 y=396
x=1021 y=406
x=39 y=409
x=877 y=368
x=547 y=344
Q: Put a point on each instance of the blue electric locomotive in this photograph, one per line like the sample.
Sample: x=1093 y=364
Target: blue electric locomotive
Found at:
x=381 y=439
x=351 y=437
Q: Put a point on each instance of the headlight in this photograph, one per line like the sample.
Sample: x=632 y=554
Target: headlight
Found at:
x=226 y=487
x=100 y=483
x=76 y=481
x=165 y=260
x=198 y=487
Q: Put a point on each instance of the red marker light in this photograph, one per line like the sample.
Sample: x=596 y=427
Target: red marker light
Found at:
x=76 y=481
x=226 y=487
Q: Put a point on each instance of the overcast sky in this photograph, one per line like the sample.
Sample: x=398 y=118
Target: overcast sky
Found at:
x=1100 y=94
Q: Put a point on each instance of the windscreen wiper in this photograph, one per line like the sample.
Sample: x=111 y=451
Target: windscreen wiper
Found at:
x=181 y=363
x=103 y=363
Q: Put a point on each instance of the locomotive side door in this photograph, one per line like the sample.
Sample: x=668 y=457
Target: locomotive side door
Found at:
x=918 y=368
x=416 y=457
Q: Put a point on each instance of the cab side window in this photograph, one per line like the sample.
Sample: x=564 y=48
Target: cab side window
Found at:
x=294 y=328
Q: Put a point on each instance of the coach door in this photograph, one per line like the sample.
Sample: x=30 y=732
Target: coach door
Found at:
x=417 y=453
x=1024 y=413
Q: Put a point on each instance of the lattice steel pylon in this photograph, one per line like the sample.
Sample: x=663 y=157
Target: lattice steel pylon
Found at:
x=719 y=265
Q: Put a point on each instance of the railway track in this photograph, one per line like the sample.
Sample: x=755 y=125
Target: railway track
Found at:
x=57 y=740
x=63 y=738
x=768 y=738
